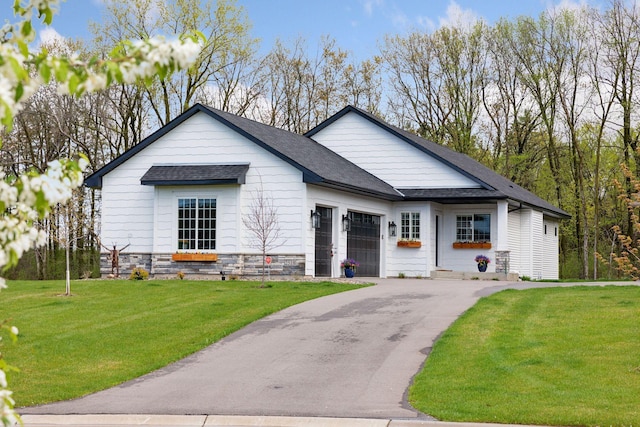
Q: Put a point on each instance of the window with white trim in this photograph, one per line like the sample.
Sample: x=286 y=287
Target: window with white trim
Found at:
x=196 y=223
x=410 y=225
x=473 y=228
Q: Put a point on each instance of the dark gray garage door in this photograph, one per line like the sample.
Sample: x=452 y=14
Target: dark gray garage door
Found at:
x=363 y=243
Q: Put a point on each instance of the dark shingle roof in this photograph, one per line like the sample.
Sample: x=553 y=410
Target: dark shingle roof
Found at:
x=318 y=164
x=195 y=174
x=464 y=164
x=452 y=195
x=321 y=166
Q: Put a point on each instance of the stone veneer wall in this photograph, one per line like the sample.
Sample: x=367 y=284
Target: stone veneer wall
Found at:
x=127 y=262
x=161 y=265
x=502 y=261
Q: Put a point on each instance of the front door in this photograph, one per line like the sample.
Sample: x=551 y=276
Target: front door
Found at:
x=324 y=243
x=363 y=243
x=437 y=248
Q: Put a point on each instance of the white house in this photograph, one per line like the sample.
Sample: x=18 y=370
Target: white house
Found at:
x=353 y=187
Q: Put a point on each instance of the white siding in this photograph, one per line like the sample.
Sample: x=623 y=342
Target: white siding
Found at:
x=342 y=202
x=537 y=245
x=532 y=259
x=388 y=157
x=526 y=250
x=515 y=249
x=551 y=248
x=166 y=232
x=412 y=261
x=464 y=259
x=127 y=215
x=128 y=207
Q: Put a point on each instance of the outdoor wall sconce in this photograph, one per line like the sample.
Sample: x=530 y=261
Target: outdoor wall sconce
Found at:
x=393 y=229
x=315 y=219
x=346 y=223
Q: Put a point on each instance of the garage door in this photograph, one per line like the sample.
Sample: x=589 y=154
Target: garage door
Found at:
x=363 y=243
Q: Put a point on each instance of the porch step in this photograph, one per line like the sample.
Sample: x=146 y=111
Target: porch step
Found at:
x=473 y=275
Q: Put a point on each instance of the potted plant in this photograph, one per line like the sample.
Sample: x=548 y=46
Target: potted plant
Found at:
x=482 y=261
x=349 y=265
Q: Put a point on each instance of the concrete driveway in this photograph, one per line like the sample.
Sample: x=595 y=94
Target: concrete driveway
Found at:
x=347 y=355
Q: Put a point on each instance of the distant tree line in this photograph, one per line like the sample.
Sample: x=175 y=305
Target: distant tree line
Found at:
x=551 y=102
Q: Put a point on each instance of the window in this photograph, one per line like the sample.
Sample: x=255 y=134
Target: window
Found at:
x=473 y=228
x=196 y=224
x=410 y=225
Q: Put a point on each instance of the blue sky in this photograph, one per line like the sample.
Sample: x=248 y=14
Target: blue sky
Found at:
x=357 y=25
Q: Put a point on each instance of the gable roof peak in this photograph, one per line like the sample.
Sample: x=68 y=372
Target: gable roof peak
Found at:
x=318 y=164
x=462 y=163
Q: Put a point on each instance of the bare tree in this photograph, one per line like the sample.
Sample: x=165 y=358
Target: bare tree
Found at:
x=437 y=81
x=602 y=80
x=261 y=221
x=513 y=123
x=68 y=230
x=222 y=62
x=569 y=45
x=362 y=85
x=300 y=90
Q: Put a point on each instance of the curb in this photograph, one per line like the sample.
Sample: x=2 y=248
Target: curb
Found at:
x=230 y=421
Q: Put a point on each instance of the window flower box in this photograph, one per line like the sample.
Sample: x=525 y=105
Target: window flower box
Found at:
x=471 y=245
x=409 y=243
x=194 y=257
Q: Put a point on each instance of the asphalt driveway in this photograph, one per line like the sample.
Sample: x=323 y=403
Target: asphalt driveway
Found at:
x=347 y=355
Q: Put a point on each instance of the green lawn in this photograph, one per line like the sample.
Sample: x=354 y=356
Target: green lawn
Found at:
x=556 y=356
x=112 y=331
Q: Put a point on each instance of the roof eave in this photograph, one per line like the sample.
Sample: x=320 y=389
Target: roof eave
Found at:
x=358 y=190
x=168 y=182
x=457 y=200
x=554 y=213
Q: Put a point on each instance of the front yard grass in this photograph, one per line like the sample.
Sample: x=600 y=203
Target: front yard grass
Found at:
x=552 y=356
x=112 y=331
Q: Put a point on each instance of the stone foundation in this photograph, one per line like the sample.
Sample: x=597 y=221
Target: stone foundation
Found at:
x=232 y=265
x=127 y=262
x=502 y=261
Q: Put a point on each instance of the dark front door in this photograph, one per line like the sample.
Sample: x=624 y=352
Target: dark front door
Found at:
x=363 y=243
x=324 y=243
x=437 y=240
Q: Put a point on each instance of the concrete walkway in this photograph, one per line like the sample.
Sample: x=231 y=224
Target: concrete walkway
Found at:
x=346 y=356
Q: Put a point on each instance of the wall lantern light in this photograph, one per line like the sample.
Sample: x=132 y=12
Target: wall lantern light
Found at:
x=315 y=219
x=393 y=229
x=346 y=223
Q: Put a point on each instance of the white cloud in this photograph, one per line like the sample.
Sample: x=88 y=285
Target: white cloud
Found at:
x=566 y=4
x=455 y=16
x=569 y=5
x=399 y=19
x=426 y=23
x=553 y=7
x=49 y=35
x=369 y=6
x=458 y=17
